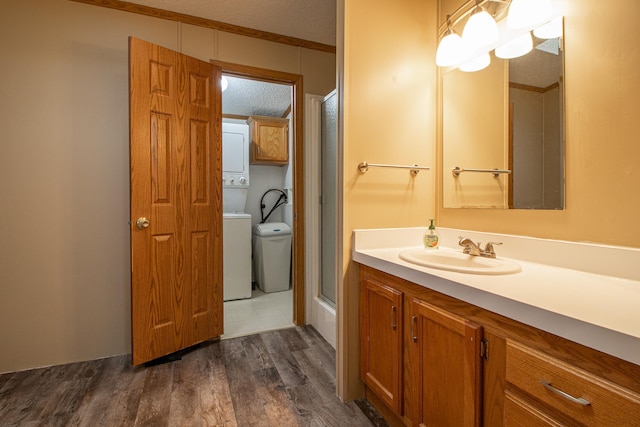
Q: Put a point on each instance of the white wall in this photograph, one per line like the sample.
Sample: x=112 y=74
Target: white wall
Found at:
x=64 y=168
x=263 y=178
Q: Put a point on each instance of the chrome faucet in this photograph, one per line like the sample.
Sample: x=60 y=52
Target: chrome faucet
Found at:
x=473 y=249
x=469 y=247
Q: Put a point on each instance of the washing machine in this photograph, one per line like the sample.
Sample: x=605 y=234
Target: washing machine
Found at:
x=236 y=254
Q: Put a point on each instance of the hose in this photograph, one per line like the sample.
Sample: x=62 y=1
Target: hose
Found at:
x=282 y=199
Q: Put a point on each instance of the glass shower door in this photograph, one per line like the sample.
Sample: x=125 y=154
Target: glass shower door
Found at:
x=328 y=197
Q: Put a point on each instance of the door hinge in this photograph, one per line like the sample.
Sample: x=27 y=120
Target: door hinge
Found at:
x=484 y=349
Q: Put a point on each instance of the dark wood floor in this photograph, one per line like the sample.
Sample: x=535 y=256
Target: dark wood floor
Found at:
x=279 y=378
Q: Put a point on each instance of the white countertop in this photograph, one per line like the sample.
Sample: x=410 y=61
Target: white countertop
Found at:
x=597 y=310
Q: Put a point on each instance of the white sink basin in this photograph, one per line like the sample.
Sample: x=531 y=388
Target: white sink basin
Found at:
x=459 y=262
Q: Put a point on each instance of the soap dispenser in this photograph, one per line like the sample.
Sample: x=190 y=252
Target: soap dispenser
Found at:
x=431 y=238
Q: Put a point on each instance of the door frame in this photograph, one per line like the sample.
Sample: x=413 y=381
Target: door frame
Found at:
x=297 y=110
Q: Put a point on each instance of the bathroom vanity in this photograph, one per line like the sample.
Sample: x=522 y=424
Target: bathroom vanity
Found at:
x=556 y=343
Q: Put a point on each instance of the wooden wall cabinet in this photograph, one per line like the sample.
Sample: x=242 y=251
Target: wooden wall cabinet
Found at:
x=460 y=365
x=269 y=140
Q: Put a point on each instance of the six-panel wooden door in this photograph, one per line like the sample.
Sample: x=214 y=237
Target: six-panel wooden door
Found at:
x=176 y=218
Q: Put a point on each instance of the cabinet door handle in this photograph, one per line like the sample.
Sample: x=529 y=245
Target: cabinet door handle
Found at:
x=414 y=320
x=578 y=400
x=393 y=318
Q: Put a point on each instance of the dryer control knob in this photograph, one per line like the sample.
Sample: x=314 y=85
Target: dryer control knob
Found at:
x=243 y=180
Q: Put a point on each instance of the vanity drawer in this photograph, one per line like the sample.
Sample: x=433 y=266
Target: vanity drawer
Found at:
x=581 y=395
x=518 y=412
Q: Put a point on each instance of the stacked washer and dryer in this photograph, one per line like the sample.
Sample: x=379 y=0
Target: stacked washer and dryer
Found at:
x=271 y=241
x=236 y=224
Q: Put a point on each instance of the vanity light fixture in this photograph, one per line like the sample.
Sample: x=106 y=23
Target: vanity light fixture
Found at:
x=481 y=29
x=526 y=13
x=476 y=64
x=511 y=36
x=515 y=48
x=551 y=30
x=450 y=47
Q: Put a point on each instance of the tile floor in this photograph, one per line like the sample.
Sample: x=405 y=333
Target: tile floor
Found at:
x=262 y=312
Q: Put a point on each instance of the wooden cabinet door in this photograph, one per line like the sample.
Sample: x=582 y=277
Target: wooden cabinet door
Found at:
x=381 y=341
x=176 y=203
x=269 y=140
x=494 y=382
x=448 y=367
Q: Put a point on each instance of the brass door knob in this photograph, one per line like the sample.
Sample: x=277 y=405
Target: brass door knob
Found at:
x=142 y=223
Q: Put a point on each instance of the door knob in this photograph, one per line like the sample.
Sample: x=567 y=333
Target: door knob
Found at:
x=142 y=223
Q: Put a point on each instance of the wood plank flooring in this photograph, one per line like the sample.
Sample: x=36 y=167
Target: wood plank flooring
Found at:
x=278 y=378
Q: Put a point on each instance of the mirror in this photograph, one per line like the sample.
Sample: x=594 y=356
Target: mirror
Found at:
x=510 y=117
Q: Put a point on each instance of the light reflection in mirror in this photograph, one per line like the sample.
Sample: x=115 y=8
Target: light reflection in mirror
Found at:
x=508 y=116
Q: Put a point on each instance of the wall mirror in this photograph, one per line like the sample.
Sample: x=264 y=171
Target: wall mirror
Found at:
x=509 y=117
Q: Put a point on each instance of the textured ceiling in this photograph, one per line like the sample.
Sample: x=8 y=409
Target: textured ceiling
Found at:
x=313 y=20
x=246 y=97
x=540 y=68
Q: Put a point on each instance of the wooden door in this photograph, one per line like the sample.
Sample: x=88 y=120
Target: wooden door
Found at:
x=381 y=341
x=447 y=353
x=176 y=218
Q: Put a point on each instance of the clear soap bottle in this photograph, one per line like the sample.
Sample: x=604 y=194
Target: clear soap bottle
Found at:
x=431 y=238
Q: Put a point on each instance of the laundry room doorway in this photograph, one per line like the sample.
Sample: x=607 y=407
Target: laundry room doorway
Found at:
x=266 y=104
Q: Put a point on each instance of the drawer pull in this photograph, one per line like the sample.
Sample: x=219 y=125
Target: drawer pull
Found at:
x=578 y=400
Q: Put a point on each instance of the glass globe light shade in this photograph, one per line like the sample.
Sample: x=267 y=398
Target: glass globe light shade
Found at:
x=528 y=13
x=478 y=63
x=449 y=50
x=519 y=46
x=550 y=30
x=481 y=30
x=224 y=83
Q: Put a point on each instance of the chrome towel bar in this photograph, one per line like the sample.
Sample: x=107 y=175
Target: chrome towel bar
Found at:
x=496 y=172
x=364 y=166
